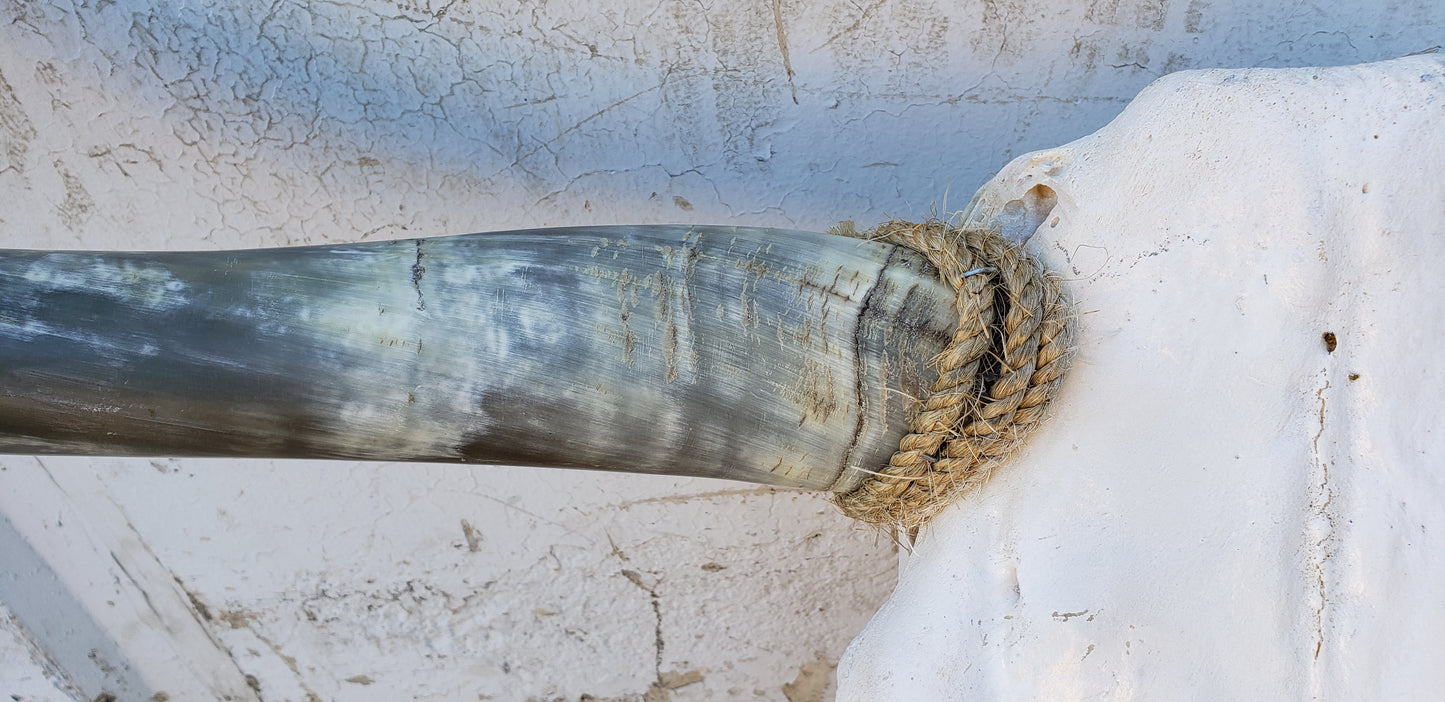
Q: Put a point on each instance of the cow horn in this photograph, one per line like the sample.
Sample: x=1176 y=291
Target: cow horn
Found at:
x=778 y=357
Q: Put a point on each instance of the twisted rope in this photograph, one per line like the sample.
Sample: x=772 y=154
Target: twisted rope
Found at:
x=995 y=377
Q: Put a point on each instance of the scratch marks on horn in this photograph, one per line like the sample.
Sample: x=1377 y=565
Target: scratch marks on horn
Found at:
x=814 y=392
x=669 y=333
x=678 y=339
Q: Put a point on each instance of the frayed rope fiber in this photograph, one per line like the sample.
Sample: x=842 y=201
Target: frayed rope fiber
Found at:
x=995 y=377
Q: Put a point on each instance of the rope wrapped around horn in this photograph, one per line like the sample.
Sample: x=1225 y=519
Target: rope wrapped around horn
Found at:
x=996 y=376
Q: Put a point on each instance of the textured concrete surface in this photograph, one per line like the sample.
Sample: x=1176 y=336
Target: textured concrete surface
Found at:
x=24 y=669
x=149 y=125
x=1240 y=493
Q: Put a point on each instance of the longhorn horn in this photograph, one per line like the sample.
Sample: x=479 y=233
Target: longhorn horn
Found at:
x=777 y=357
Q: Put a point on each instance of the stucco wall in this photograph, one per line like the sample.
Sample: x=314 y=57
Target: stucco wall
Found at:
x=177 y=125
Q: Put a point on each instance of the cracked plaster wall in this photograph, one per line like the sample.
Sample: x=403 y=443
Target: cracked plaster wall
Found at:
x=176 y=125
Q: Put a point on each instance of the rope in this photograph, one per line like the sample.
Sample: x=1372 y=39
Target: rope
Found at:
x=995 y=378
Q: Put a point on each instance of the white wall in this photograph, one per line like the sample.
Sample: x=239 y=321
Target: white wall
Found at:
x=178 y=125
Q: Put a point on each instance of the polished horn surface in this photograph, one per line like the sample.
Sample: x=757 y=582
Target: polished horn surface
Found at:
x=771 y=356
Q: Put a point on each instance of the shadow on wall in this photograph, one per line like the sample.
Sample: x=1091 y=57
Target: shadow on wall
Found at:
x=746 y=112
